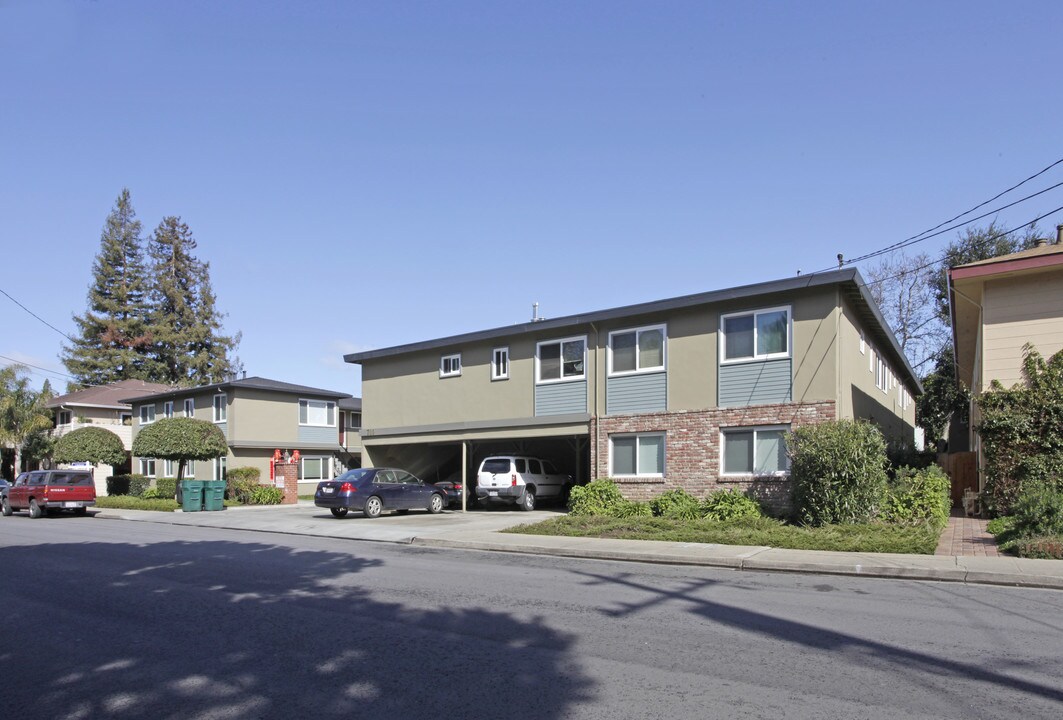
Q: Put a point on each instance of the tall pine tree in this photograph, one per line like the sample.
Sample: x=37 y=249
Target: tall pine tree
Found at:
x=113 y=341
x=189 y=348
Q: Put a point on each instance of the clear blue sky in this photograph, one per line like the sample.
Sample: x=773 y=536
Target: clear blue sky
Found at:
x=362 y=175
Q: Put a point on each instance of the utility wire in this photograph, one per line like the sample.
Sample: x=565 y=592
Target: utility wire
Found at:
x=53 y=327
x=983 y=204
x=37 y=367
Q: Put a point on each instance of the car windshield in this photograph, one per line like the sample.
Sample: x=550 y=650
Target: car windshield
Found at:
x=353 y=475
x=495 y=466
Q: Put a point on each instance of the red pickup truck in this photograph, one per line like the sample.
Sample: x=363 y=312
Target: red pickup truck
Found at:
x=44 y=491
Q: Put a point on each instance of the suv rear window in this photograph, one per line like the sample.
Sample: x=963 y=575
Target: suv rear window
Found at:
x=71 y=479
x=495 y=466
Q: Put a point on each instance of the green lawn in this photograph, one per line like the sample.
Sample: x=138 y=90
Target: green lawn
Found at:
x=129 y=502
x=921 y=540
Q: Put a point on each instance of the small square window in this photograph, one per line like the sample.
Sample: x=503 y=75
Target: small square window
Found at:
x=147 y=415
x=220 y=409
x=167 y=411
x=190 y=407
x=450 y=365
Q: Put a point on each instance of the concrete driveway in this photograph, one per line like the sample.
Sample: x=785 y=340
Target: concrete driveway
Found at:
x=306 y=519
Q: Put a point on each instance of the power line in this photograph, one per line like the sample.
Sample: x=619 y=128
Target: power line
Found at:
x=38 y=367
x=53 y=327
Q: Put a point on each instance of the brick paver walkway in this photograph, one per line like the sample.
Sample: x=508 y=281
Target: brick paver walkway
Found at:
x=966 y=537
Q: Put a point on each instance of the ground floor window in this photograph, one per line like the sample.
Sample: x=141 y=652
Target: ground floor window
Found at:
x=147 y=467
x=755 y=450
x=169 y=469
x=220 y=468
x=314 y=468
x=640 y=455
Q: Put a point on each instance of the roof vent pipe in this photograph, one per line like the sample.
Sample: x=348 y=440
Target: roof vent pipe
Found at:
x=1059 y=234
x=535 y=312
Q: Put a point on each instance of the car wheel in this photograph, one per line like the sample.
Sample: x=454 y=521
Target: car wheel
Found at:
x=35 y=510
x=373 y=507
x=528 y=501
x=6 y=508
x=435 y=505
x=338 y=512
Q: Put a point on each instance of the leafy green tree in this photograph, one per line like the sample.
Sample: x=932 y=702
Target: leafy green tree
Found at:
x=943 y=398
x=181 y=439
x=113 y=342
x=90 y=444
x=22 y=411
x=189 y=346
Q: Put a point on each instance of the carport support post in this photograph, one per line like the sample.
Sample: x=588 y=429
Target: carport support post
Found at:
x=464 y=486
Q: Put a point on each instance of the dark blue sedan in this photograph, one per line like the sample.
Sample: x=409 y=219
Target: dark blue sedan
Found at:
x=377 y=490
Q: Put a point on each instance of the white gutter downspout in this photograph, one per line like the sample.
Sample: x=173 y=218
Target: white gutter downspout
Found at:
x=594 y=415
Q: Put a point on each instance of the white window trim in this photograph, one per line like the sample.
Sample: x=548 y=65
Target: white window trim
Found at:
x=637 y=474
x=452 y=372
x=147 y=414
x=560 y=342
x=167 y=409
x=863 y=343
x=351 y=425
x=220 y=466
x=325 y=466
x=64 y=417
x=755 y=429
x=154 y=467
x=495 y=375
x=186 y=403
x=327 y=404
x=223 y=410
x=788 y=309
x=638 y=332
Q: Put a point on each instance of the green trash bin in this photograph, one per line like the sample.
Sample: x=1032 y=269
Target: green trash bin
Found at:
x=214 y=495
x=192 y=495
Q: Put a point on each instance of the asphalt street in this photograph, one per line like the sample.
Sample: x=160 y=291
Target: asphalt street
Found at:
x=125 y=619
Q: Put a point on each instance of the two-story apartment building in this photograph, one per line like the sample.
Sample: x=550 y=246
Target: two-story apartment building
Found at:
x=998 y=306
x=257 y=417
x=694 y=392
x=101 y=406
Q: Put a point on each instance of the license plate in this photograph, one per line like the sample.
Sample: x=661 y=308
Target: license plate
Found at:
x=71 y=504
x=328 y=490
x=492 y=493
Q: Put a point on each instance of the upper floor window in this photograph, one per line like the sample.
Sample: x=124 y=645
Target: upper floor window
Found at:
x=561 y=359
x=450 y=365
x=500 y=364
x=62 y=417
x=220 y=408
x=167 y=411
x=190 y=407
x=638 y=350
x=147 y=415
x=321 y=413
x=758 y=335
x=354 y=420
x=755 y=450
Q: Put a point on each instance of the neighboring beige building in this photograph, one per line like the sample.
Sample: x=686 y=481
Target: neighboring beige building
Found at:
x=998 y=306
x=101 y=406
x=259 y=416
x=694 y=392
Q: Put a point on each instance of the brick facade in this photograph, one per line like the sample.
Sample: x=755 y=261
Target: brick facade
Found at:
x=287 y=480
x=692 y=448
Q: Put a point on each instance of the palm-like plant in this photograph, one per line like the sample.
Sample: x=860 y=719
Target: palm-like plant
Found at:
x=22 y=411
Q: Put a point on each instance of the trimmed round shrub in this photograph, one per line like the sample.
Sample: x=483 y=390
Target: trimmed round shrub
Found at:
x=138 y=484
x=90 y=444
x=838 y=470
x=918 y=496
x=677 y=504
x=600 y=497
x=729 y=505
x=166 y=487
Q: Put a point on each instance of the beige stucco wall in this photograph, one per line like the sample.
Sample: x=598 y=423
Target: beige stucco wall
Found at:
x=1019 y=310
x=257 y=416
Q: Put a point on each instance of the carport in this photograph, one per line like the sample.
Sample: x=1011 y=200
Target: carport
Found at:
x=455 y=451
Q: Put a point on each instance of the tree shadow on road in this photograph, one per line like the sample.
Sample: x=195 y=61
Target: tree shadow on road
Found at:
x=235 y=629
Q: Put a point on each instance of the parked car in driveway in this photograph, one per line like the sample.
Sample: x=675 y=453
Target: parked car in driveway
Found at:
x=43 y=492
x=520 y=480
x=451 y=487
x=378 y=490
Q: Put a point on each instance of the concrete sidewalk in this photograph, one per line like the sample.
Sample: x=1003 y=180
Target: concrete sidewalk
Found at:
x=481 y=531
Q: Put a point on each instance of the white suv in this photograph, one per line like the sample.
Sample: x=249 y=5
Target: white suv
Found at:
x=520 y=480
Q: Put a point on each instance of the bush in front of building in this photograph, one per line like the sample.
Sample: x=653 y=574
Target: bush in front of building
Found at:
x=677 y=503
x=723 y=505
x=599 y=497
x=916 y=496
x=134 y=485
x=838 y=471
x=242 y=482
x=166 y=487
x=265 y=495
